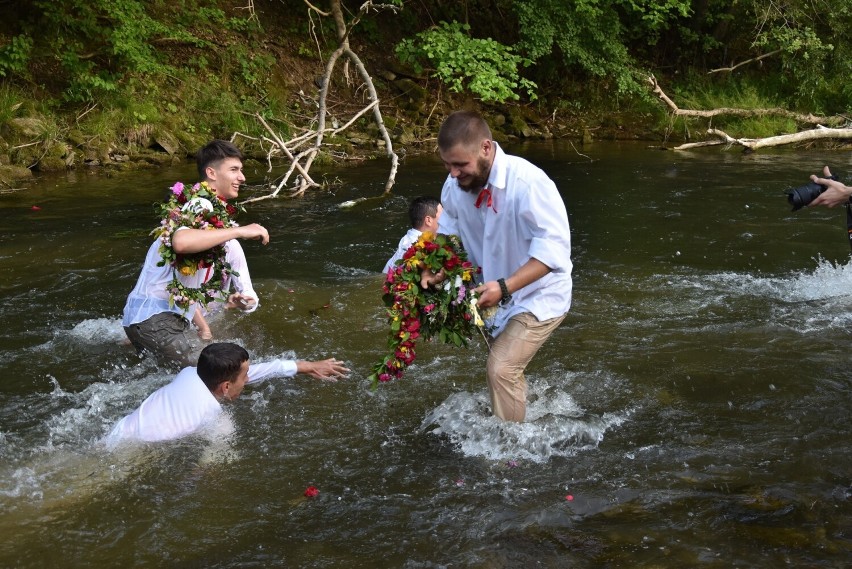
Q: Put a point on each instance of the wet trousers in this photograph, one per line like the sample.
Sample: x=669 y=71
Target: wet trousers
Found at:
x=510 y=353
x=166 y=336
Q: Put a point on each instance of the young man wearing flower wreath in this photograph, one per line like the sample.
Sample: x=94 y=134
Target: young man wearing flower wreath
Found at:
x=191 y=264
x=194 y=397
x=423 y=212
x=513 y=224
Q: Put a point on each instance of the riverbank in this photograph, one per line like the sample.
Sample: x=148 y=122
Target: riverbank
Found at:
x=134 y=132
x=25 y=151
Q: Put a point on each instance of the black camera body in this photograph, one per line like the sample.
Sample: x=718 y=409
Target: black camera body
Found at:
x=803 y=195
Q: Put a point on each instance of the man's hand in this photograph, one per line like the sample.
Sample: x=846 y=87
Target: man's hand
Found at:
x=836 y=194
x=254 y=231
x=429 y=278
x=240 y=301
x=330 y=369
x=489 y=294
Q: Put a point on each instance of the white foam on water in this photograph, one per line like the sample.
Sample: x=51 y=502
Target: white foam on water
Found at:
x=826 y=281
x=92 y=333
x=98 y=330
x=804 y=301
x=555 y=425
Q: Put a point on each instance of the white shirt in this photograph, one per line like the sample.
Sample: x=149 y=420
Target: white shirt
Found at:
x=184 y=405
x=409 y=239
x=150 y=297
x=527 y=219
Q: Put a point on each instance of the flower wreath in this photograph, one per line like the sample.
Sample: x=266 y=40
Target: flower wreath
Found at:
x=197 y=207
x=447 y=312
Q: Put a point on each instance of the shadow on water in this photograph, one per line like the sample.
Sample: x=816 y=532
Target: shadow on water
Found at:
x=692 y=410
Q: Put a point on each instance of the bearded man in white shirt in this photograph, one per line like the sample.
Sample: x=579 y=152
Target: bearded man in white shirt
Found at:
x=424 y=213
x=153 y=324
x=513 y=224
x=194 y=397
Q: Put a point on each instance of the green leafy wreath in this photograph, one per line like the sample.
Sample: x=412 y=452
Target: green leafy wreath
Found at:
x=196 y=207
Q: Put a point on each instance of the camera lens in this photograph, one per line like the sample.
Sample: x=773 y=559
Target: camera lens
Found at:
x=803 y=195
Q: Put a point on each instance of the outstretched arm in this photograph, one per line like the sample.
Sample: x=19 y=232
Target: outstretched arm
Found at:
x=329 y=369
x=188 y=241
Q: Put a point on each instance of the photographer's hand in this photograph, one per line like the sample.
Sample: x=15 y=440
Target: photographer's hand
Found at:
x=836 y=194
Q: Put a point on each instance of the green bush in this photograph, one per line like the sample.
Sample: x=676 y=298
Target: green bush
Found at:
x=484 y=67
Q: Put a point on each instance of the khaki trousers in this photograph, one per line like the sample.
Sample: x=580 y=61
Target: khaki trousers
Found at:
x=510 y=353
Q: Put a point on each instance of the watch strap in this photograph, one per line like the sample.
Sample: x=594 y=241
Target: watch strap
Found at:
x=504 y=290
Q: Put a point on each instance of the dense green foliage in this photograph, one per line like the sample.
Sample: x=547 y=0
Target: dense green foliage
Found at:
x=201 y=68
x=594 y=36
x=484 y=67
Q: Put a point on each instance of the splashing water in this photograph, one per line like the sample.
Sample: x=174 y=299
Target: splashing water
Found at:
x=555 y=426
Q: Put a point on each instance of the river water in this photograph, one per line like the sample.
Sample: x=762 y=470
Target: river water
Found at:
x=691 y=411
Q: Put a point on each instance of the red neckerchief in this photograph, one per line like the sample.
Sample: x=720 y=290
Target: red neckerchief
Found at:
x=485 y=195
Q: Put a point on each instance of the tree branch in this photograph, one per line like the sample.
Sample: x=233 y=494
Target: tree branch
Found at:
x=746 y=62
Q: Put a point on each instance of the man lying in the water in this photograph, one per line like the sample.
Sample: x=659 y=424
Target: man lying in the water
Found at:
x=195 y=395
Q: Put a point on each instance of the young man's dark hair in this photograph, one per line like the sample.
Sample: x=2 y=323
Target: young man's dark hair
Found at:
x=420 y=207
x=220 y=362
x=212 y=152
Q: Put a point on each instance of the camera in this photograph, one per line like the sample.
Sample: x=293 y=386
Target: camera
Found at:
x=803 y=195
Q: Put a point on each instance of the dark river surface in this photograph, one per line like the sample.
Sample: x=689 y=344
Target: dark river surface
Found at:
x=691 y=411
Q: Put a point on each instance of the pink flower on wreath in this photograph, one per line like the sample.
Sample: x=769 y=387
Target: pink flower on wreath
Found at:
x=177 y=189
x=429 y=308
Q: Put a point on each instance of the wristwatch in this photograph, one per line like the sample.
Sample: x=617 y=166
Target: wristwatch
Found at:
x=505 y=290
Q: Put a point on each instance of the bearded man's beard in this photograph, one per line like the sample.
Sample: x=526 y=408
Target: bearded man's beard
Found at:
x=480 y=178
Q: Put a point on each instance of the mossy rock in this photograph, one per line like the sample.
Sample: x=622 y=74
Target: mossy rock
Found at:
x=25 y=155
x=406 y=137
x=75 y=137
x=323 y=159
x=24 y=128
x=57 y=150
x=167 y=141
x=10 y=174
x=191 y=142
x=517 y=125
x=156 y=158
x=51 y=164
x=414 y=96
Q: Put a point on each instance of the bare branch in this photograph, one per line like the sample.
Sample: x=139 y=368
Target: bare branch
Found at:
x=746 y=62
x=250 y=8
x=317 y=10
x=808 y=118
x=819 y=133
x=302 y=162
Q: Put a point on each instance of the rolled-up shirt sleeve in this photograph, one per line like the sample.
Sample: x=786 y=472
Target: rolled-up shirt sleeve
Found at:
x=242 y=282
x=544 y=214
